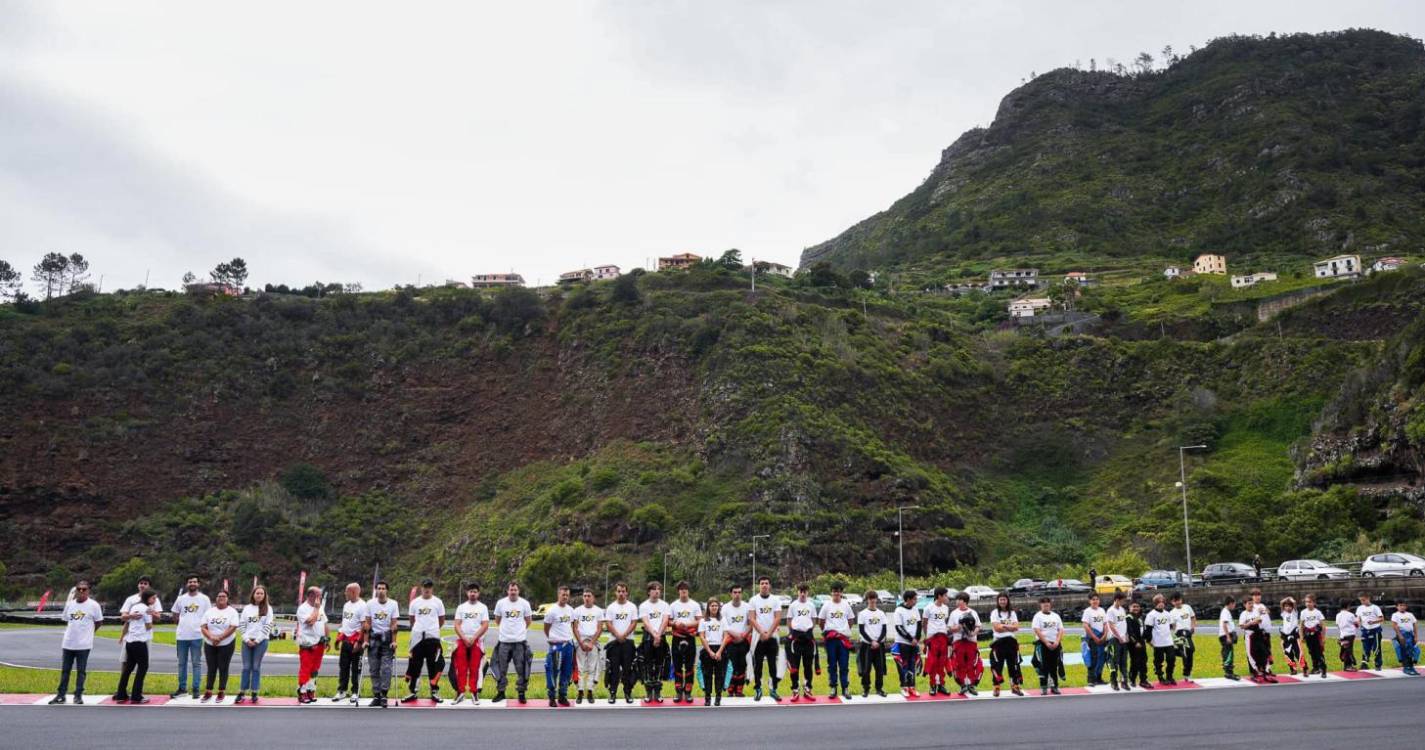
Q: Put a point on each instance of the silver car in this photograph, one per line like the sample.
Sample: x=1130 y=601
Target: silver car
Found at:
x=1393 y=564
x=1307 y=570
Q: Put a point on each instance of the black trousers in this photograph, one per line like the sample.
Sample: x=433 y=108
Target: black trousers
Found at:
x=349 y=667
x=1137 y=662
x=219 y=658
x=736 y=657
x=428 y=652
x=1185 y=651
x=685 y=652
x=1316 y=649
x=1291 y=648
x=620 y=666
x=714 y=673
x=1004 y=657
x=655 y=661
x=1161 y=654
x=1049 y=659
x=1117 y=659
x=801 y=657
x=77 y=660
x=1348 y=651
x=136 y=664
x=766 y=651
x=871 y=662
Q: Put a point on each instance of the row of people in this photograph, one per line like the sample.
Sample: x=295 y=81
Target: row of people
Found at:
x=704 y=645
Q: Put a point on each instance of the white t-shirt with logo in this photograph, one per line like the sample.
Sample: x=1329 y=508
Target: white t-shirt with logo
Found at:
x=1404 y=622
x=560 y=621
x=137 y=631
x=128 y=605
x=712 y=631
x=1049 y=624
x=907 y=619
x=313 y=632
x=352 y=615
x=588 y=621
x=1289 y=622
x=1311 y=618
x=836 y=617
x=957 y=615
x=1347 y=624
x=1096 y=618
x=80 y=620
x=1118 y=618
x=765 y=609
x=190 y=608
x=1370 y=616
x=469 y=617
x=686 y=613
x=384 y=616
x=1160 y=623
x=425 y=617
x=621 y=618
x=734 y=618
x=937 y=619
x=873 y=621
x=255 y=625
x=512 y=616
x=1249 y=617
x=801 y=615
x=219 y=620
x=655 y=613
x=1226 y=622
x=1002 y=617
x=1183 y=615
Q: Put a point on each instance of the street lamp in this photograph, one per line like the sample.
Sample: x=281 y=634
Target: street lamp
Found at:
x=755 y=537
x=900 y=540
x=665 y=572
x=606 y=580
x=1182 y=484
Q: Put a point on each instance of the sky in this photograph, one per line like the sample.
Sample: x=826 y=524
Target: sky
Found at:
x=395 y=143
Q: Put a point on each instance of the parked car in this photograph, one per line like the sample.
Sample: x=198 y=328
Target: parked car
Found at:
x=1024 y=586
x=856 y=600
x=783 y=600
x=1307 y=570
x=1393 y=564
x=889 y=601
x=1065 y=586
x=1162 y=579
x=543 y=610
x=820 y=599
x=981 y=593
x=1113 y=584
x=1233 y=572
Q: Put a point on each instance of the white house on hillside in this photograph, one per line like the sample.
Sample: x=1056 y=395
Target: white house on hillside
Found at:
x=776 y=269
x=1013 y=277
x=1390 y=263
x=1338 y=267
x=1027 y=307
x=1172 y=272
x=602 y=273
x=1239 y=282
x=1210 y=263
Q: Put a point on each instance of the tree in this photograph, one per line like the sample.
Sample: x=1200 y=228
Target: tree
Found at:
x=1168 y=57
x=232 y=273
x=9 y=281
x=731 y=260
x=822 y=274
x=1093 y=65
x=351 y=287
x=306 y=482
x=625 y=289
x=189 y=277
x=50 y=273
x=78 y=273
x=1144 y=63
x=552 y=565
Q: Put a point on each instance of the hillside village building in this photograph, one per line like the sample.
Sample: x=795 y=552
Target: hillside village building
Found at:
x=1027 y=307
x=1210 y=263
x=495 y=280
x=1341 y=266
x=776 y=269
x=1241 y=282
x=681 y=260
x=1014 y=277
x=1390 y=263
x=604 y=273
x=570 y=277
x=1172 y=272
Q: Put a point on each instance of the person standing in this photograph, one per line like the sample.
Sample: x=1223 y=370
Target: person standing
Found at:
x=965 y=650
x=1184 y=630
x=82 y=617
x=766 y=622
x=219 y=629
x=1004 y=646
x=653 y=613
x=189 y=608
x=1254 y=622
x=906 y=650
x=138 y=631
x=1347 y=626
x=736 y=615
x=684 y=614
x=144 y=583
x=1118 y=643
x=588 y=656
x=382 y=618
x=311 y=644
x=871 y=651
x=427 y=613
x=1138 y=635
x=559 y=661
x=621 y=619
x=1227 y=636
x=1313 y=632
x=1291 y=636
x=835 y=618
x=472 y=620
x=801 y=644
x=257 y=624
x=713 y=659
x=351 y=640
x=1095 y=620
x=1371 y=619
x=512 y=618
x=937 y=641
x=1160 y=624
x=1048 y=646
x=1406 y=636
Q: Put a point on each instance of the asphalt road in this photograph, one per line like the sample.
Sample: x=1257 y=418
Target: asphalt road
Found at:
x=1375 y=713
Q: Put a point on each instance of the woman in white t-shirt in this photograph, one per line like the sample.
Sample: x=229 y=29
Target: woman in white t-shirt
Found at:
x=219 y=629
x=256 y=628
x=1004 y=648
x=137 y=633
x=714 y=638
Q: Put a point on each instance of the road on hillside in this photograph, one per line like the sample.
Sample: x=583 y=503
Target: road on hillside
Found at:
x=1360 y=714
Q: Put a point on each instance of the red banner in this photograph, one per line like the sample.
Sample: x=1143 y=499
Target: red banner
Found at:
x=302 y=587
x=44 y=599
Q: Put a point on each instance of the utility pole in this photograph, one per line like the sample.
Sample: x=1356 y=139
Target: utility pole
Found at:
x=1182 y=484
x=753 y=266
x=900 y=540
x=755 y=537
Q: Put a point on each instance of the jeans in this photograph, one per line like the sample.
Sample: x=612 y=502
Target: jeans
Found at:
x=838 y=663
x=72 y=659
x=190 y=660
x=252 y=666
x=1370 y=645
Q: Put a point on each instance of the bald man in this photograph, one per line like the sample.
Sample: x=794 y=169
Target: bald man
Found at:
x=352 y=637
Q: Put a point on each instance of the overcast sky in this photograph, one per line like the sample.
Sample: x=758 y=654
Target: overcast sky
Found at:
x=385 y=142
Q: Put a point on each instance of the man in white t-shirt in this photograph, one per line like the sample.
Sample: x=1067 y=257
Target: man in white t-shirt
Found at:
x=835 y=617
x=588 y=656
x=737 y=630
x=1406 y=636
x=766 y=621
x=683 y=617
x=653 y=613
x=1117 y=646
x=144 y=584
x=1049 y=646
x=1159 y=623
x=1227 y=636
x=311 y=643
x=937 y=641
x=1184 y=627
x=382 y=618
x=906 y=650
x=872 y=624
x=82 y=616
x=1347 y=627
x=1095 y=620
x=189 y=608
x=620 y=620
x=1371 y=619
x=965 y=661
x=1313 y=633
x=351 y=635
x=559 y=661
x=472 y=619
x=427 y=615
x=801 y=644
x=512 y=617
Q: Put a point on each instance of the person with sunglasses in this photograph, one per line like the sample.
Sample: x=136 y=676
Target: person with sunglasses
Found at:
x=82 y=617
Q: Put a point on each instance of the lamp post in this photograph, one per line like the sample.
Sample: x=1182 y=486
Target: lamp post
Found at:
x=606 y=580
x=1182 y=484
x=665 y=572
x=900 y=539
x=755 y=537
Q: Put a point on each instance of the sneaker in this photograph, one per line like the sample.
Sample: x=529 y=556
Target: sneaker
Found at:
x=241 y=699
x=552 y=703
x=254 y=699
x=221 y=696
x=435 y=698
x=1054 y=690
x=410 y=697
x=880 y=692
x=355 y=699
x=1043 y=691
x=499 y=696
x=522 y=699
x=1146 y=685
x=78 y=699
x=58 y=700
x=774 y=695
x=1115 y=686
x=339 y=697
x=138 y=701
x=913 y=693
x=627 y=698
x=459 y=699
x=831 y=695
x=707 y=700
x=717 y=701
x=563 y=701
x=1232 y=677
x=846 y=696
x=613 y=699
x=1271 y=677
x=1127 y=686
x=1017 y=690
x=206 y=697
x=865 y=693
x=973 y=690
x=175 y=693
x=996 y=693
x=796 y=697
x=757 y=694
x=119 y=698
x=807 y=695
